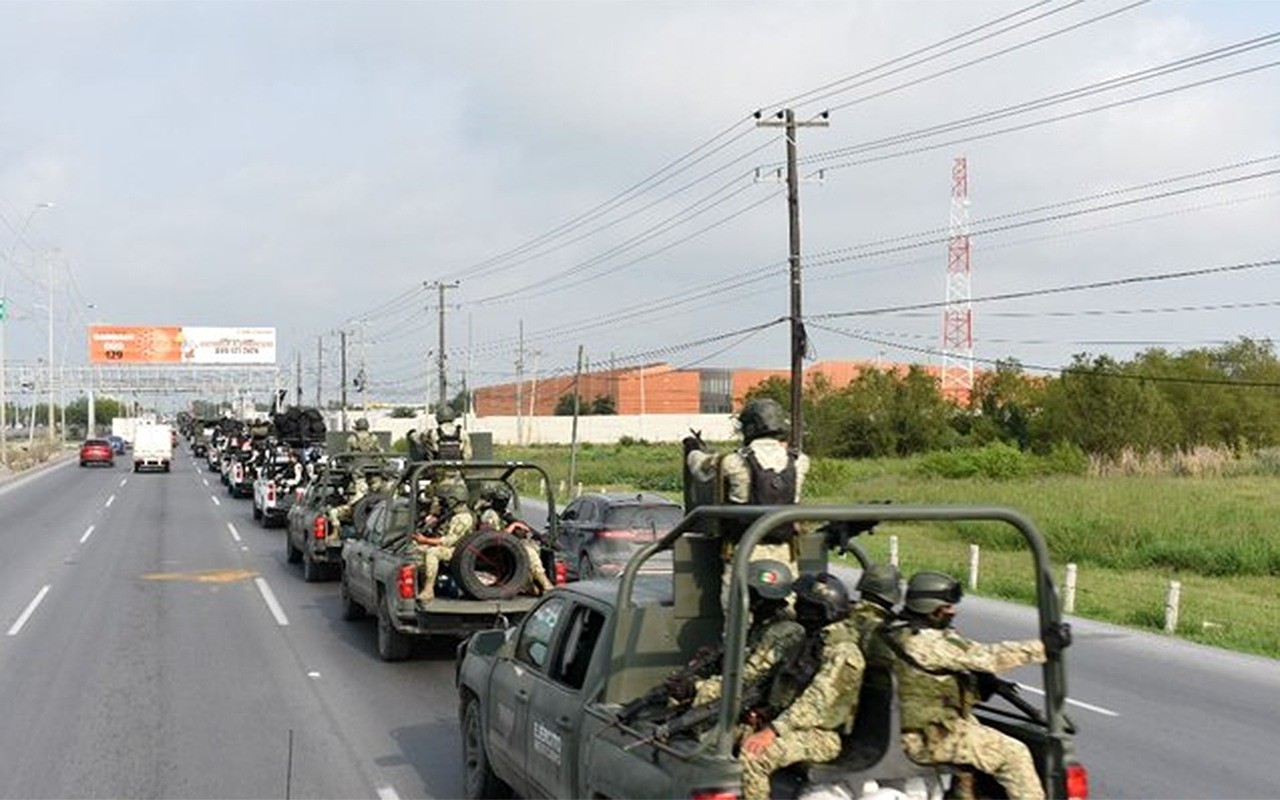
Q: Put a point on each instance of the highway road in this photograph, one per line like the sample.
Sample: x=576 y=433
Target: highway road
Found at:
x=154 y=643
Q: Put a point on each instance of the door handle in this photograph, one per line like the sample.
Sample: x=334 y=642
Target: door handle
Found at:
x=522 y=695
x=564 y=723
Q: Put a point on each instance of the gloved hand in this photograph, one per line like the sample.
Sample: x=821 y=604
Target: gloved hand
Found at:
x=988 y=684
x=681 y=687
x=1057 y=637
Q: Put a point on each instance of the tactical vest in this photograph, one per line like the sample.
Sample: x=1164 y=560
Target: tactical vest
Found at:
x=769 y=488
x=450 y=446
x=795 y=675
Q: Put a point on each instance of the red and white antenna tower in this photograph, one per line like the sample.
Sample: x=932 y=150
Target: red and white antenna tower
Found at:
x=957 y=320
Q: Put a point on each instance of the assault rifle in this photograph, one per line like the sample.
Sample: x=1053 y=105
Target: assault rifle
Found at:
x=838 y=534
x=706 y=661
x=990 y=684
x=754 y=713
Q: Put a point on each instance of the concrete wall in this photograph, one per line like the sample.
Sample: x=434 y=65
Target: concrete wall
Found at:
x=603 y=429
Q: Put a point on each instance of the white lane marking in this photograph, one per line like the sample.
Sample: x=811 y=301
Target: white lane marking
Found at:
x=1086 y=706
x=87 y=534
x=123 y=481
x=272 y=603
x=110 y=500
x=387 y=793
x=313 y=674
x=215 y=500
x=31 y=609
x=205 y=480
x=235 y=534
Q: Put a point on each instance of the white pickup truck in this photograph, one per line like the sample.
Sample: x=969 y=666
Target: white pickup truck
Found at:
x=152 y=447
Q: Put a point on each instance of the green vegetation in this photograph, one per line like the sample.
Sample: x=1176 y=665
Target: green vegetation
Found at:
x=1206 y=518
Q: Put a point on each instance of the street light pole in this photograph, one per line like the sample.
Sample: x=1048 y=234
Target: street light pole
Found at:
x=4 y=316
x=48 y=258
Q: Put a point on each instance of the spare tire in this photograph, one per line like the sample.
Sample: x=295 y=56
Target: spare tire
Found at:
x=490 y=565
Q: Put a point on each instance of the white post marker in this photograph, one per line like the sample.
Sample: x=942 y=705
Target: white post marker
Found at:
x=973 y=567
x=578 y=490
x=1171 y=602
x=893 y=550
x=1069 y=591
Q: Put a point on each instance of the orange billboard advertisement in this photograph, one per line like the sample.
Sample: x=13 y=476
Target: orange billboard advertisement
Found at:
x=134 y=344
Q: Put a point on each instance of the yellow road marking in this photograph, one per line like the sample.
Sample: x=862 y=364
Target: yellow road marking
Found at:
x=207 y=576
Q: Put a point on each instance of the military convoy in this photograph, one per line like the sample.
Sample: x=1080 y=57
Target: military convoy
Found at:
x=556 y=690
x=542 y=704
x=488 y=580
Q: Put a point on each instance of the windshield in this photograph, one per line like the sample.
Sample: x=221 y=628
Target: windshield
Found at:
x=644 y=523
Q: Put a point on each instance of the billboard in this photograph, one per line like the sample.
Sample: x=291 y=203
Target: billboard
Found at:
x=166 y=344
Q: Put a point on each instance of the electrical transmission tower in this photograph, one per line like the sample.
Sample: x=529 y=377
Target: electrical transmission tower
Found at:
x=957 y=319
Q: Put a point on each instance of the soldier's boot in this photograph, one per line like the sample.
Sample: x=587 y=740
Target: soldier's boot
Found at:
x=430 y=566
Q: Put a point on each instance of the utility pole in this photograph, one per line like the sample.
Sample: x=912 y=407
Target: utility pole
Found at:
x=297 y=374
x=573 y=436
x=342 y=376
x=319 y=368
x=520 y=388
x=48 y=259
x=786 y=118
x=440 y=286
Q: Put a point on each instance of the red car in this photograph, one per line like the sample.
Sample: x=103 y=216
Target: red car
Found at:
x=97 y=451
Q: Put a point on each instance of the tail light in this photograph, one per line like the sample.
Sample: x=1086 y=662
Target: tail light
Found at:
x=320 y=528
x=298 y=493
x=271 y=492
x=1077 y=782
x=715 y=794
x=562 y=573
x=406 y=583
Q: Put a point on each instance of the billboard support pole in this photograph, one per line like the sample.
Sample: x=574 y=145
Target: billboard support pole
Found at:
x=342 y=374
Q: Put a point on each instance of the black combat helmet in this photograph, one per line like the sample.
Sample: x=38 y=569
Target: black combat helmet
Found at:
x=362 y=424
x=769 y=579
x=821 y=599
x=498 y=495
x=445 y=415
x=452 y=492
x=929 y=591
x=762 y=417
x=881 y=584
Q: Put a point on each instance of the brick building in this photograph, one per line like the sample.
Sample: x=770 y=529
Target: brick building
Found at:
x=659 y=388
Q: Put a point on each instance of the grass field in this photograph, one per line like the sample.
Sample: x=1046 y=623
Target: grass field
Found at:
x=1129 y=535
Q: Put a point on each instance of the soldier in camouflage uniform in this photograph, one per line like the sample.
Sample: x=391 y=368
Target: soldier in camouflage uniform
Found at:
x=363 y=441
x=494 y=515
x=447 y=444
x=764 y=471
x=936 y=667
x=357 y=487
x=817 y=690
x=773 y=636
x=879 y=592
x=437 y=546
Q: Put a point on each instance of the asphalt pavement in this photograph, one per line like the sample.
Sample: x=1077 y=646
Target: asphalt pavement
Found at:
x=154 y=643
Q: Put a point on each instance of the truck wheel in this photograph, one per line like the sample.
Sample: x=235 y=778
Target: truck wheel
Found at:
x=351 y=610
x=490 y=565
x=479 y=781
x=392 y=644
x=311 y=571
x=257 y=514
x=291 y=554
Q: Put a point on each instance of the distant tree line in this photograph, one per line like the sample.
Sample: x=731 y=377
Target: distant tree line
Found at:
x=1223 y=397
x=602 y=404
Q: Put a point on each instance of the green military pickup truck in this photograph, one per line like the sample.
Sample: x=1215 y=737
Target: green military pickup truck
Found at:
x=541 y=703
x=487 y=582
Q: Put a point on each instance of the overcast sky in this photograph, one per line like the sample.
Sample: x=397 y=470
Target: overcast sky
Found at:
x=589 y=169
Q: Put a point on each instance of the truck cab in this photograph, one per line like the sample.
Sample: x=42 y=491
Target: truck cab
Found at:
x=542 y=704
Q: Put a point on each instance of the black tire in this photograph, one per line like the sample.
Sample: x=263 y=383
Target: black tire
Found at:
x=392 y=644
x=490 y=565
x=351 y=610
x=311 y=571
x=478 y=779
x=257 y=514
x=291 y=554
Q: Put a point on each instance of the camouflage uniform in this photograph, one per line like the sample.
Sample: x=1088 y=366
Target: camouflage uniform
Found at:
x=809 y=728
x=938 y=726
x=770 y=646
x=363 y=442
x=342 y=513
x=490 y=518
x=459 y=524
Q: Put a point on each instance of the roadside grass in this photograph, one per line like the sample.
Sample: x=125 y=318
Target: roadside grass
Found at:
x=1129 y=534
